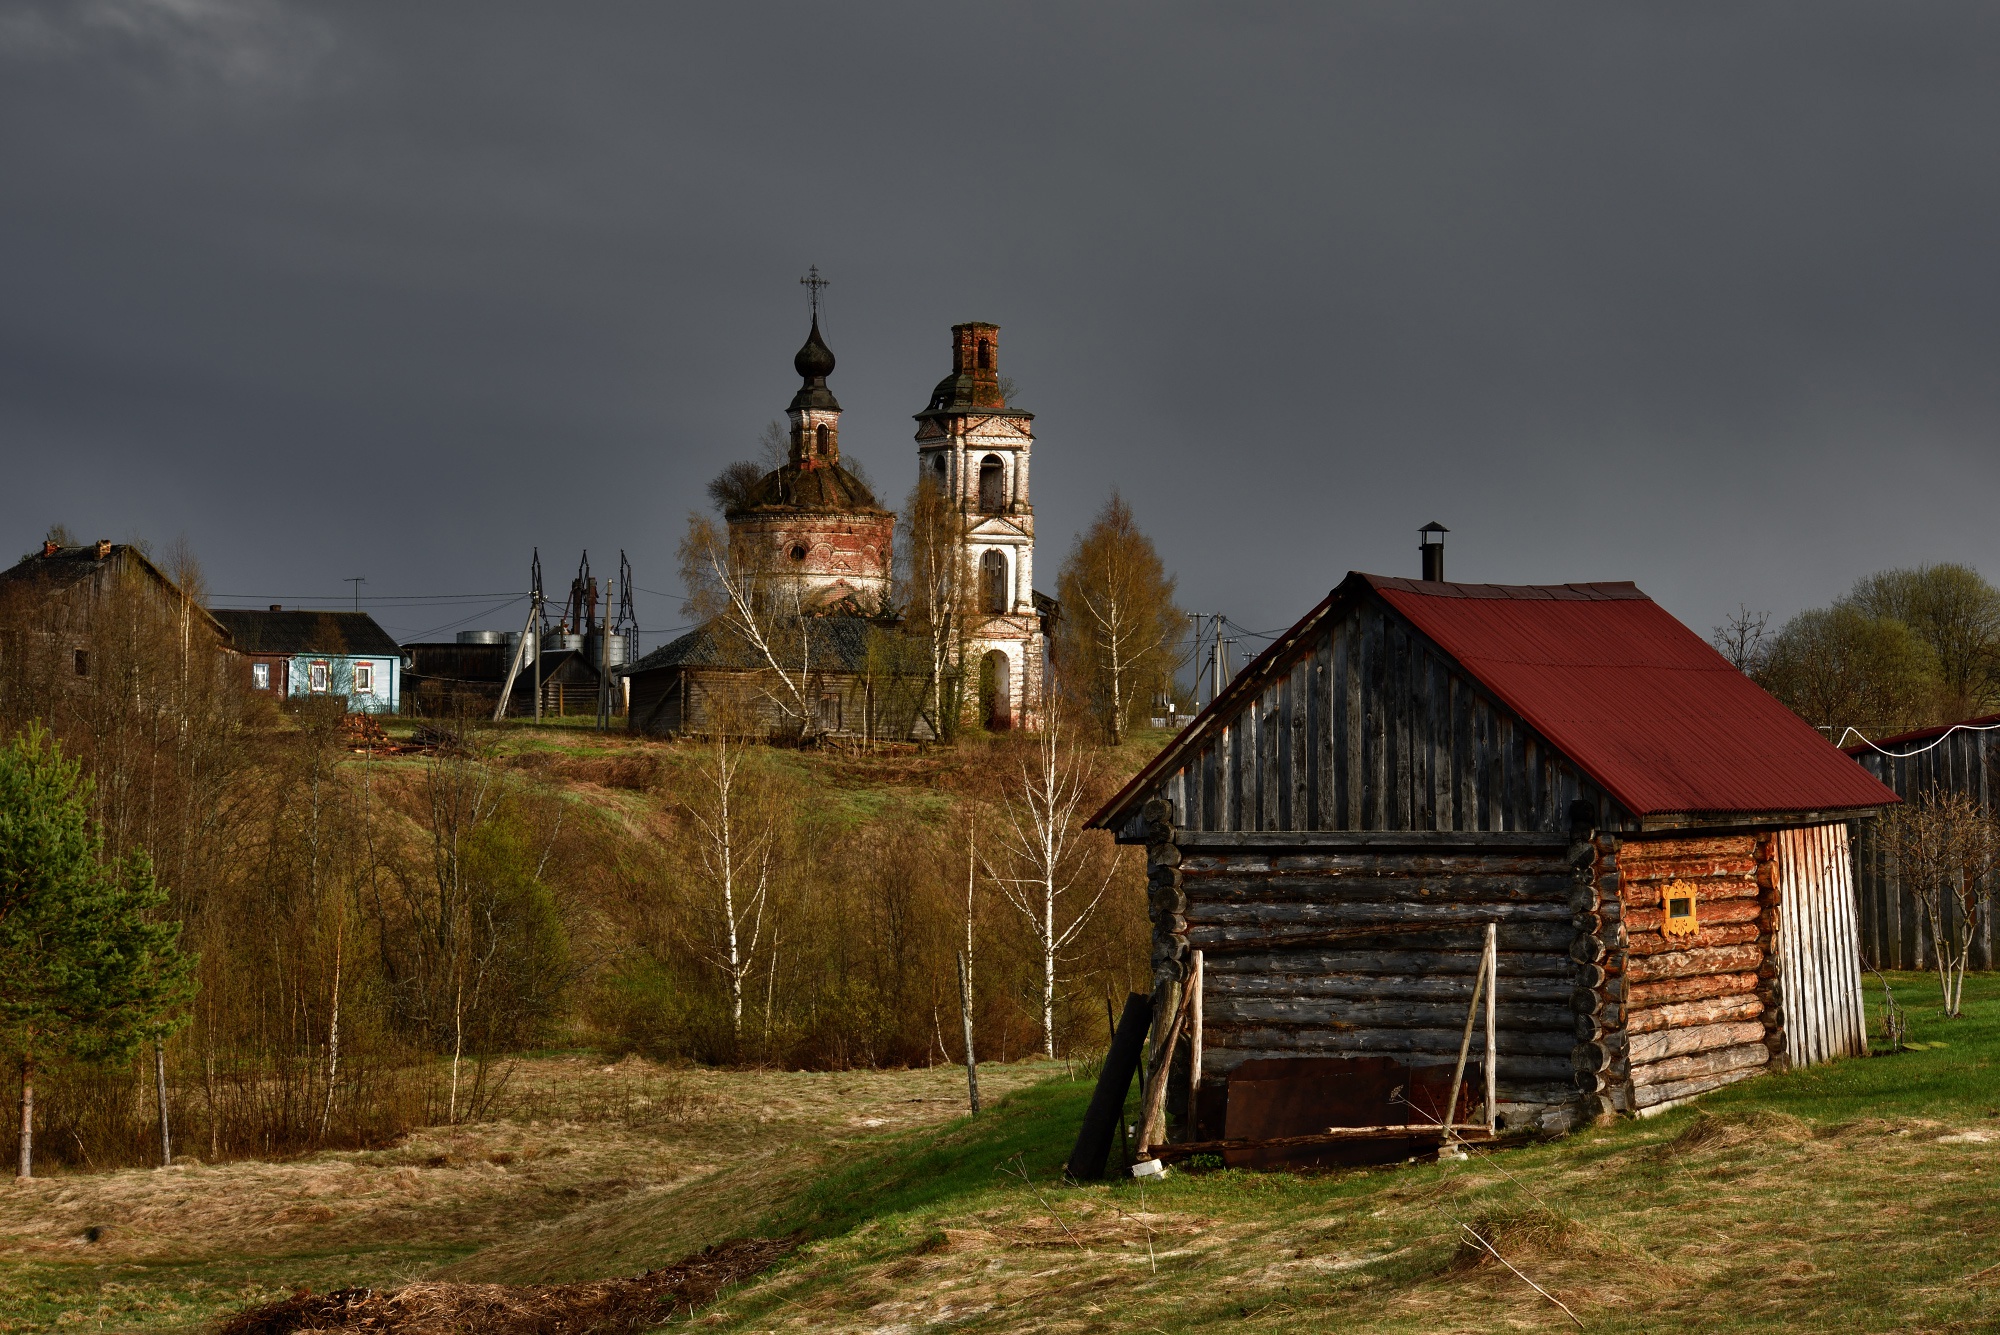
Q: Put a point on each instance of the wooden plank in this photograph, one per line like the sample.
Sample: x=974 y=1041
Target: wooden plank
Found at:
x=1276 y=887
x=1384 y=1012
x=1375 y=646
x=1414 y=839
x=1440 y=986
x=1440 y=935
x=1318 y=750
x=1421 y=1131
x=1297 y=914
x=1402 y=703
x=1389 y=861
x=1348 y=726
x=1844 y=943
x=1441 y=1044
x=1366 y=964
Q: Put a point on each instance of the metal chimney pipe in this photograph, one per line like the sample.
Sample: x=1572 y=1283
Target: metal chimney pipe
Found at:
x=1430 y=542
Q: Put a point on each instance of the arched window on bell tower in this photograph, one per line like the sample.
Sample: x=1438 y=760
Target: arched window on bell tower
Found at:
x=992 y=484
x=993 y=581
x=985 y=354
x=820 y=439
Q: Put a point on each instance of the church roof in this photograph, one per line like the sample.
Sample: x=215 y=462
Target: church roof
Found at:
x=820 y=488
x=836 y=643
x=814 y=363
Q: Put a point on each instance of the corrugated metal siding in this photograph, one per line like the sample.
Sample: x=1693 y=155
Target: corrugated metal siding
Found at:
x=1819 y=947
x=1893 y=934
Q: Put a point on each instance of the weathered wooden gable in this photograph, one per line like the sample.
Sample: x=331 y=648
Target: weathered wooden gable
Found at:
x=1367 y=725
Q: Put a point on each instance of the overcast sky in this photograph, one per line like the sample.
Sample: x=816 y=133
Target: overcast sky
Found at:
x=1698 y=295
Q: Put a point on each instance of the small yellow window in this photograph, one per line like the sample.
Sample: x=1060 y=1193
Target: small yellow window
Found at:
x=1680 y=918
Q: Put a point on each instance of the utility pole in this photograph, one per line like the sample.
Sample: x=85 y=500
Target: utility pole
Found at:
x=357 y=581
x=604 y=664
x=538 y=625
x=1215 y=655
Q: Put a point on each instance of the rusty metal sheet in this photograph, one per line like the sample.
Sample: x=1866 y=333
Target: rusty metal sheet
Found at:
x=1297 y=1096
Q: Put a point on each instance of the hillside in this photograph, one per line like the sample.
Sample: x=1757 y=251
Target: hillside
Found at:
x=1854 y=1197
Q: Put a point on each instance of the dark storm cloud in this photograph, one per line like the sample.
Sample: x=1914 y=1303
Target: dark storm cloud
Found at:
x=1702 y=296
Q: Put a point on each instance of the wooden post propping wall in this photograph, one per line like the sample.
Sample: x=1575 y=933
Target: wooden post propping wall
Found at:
x=1166 y=904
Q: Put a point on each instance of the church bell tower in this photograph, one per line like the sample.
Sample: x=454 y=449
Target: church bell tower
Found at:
x=975 y=449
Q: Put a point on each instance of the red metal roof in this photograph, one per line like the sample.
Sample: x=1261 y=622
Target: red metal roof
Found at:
x=1865 y=745
x=1644 y=705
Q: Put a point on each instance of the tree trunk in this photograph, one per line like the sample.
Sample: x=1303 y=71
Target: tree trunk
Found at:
x=1049 y=972
x=27 y=1168
x=965 y=1018
x=160 y=1089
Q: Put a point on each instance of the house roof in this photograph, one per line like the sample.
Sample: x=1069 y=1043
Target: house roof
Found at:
x=340 y=633
x=1984 y=723
x=836 y=642
x=1640 y=703
x=65 y=567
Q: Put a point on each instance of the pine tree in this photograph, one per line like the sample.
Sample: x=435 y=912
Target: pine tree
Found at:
x=88 y=975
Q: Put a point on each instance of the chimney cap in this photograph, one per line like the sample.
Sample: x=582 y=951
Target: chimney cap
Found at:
x=277 y=607
x=103 y=548
x=1434 y=527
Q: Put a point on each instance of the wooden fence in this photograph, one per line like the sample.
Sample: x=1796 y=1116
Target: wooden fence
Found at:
x=1893 y=933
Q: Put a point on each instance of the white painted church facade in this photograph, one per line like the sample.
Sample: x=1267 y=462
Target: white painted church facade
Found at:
x=977 y=450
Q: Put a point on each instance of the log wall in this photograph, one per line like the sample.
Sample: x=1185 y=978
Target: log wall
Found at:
x=1370 y=727
x=1700 y=1010
x=1335 y=952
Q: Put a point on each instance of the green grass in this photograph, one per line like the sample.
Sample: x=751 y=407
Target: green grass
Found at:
x=1841 y=1198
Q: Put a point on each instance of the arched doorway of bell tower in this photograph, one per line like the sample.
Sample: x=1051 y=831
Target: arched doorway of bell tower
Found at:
x=996 y=695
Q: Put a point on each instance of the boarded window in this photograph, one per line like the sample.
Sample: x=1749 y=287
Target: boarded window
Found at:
x=260 y=676
x=318 y=678
x=992 y=484
x=993 y=581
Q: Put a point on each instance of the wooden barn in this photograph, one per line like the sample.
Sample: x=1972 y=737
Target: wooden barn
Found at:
x=863 y=681
x=1660 y=847
x=1954 y=758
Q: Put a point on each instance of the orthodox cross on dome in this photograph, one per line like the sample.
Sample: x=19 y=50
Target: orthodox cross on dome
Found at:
x=814 y=282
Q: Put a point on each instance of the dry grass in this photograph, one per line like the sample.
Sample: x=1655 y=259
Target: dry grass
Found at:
x=159 y=1248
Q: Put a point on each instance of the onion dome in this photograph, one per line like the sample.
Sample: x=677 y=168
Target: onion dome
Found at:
x=814 y=364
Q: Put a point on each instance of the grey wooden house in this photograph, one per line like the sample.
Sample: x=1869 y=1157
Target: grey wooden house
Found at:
x=1661 y=846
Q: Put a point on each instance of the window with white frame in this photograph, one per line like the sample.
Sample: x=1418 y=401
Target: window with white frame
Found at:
x=364 y=679
x=260 y=676
x=317 y=677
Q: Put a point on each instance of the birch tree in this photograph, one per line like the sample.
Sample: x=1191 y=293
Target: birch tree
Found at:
x=1947 y=850
x=1117 y=639
x=1046 y=868
x=733 y=845
x=938 y=595
x=757 y=609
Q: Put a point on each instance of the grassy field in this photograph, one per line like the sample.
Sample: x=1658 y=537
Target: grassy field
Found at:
x=1855 y=1197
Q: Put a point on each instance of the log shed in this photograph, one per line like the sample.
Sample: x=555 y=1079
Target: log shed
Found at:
x=1662 y=848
